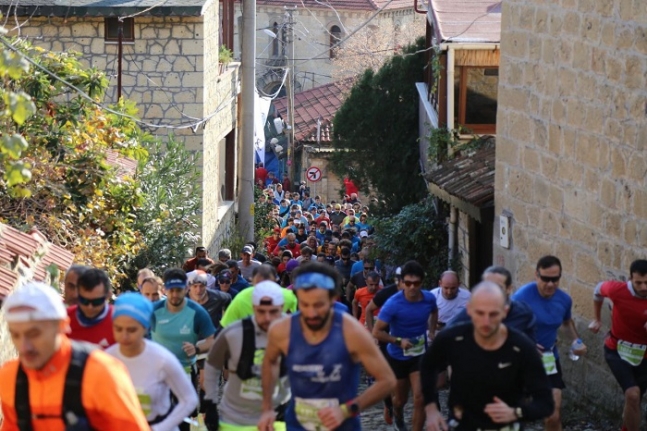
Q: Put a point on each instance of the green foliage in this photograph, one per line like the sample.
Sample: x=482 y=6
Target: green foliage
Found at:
x=169 y=216
x=445 y=144
x=418 y=232
x=263 y=223
x=376 y=132
x=225 y=55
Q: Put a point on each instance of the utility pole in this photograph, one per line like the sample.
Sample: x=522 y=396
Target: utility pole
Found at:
x=120 y=54
x=290 y=88
x=248 y=90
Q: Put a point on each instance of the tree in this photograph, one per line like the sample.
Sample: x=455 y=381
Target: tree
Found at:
x=376 y=131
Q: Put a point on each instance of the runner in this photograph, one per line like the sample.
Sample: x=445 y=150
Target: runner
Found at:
x=71 y=289
x=552 y=308
x=200 y=253
x=497 y=377
x=625 y=346
x=91 y=319
x=240 y=348
x=450 y=298
x=52 y=371
x=152 y=288
x=181 y=325
x=154 y=370
x=214 y=302
x=410 y=315
x=323 y=350
x=365 y=295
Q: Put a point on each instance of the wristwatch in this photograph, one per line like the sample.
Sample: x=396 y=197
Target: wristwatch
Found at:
x=518 y=412
x=398 y=340
x=350 y=409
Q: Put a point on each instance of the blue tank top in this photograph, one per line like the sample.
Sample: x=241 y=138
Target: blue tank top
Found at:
x=320 y=375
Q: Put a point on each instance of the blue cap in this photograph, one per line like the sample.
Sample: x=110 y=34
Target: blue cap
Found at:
x=175 y=283
x=134 y=305
x=310 y=280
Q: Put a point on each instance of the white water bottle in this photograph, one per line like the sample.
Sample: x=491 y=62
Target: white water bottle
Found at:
x=577 y=344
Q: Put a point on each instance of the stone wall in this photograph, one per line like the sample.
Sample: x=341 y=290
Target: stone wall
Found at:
x=571 y=156
x=220 y=93
x=330 y=185
x=162 y=68
x=463 y=241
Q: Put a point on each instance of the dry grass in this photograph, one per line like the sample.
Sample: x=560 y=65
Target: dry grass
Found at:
x=7 y=350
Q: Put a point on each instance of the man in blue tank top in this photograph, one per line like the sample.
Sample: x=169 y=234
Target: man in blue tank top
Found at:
x=323 y=350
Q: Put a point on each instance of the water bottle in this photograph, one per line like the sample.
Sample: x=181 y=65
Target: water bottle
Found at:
x=577 y=344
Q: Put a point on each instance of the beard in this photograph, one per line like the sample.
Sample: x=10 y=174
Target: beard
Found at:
x=316 y=323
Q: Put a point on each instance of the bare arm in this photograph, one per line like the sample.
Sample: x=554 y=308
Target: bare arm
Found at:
x=432 y=322
x=350 y=291
x=379 y=332
x=370 y=320
x=270 y=367
x=355 y=309
x=569 y=327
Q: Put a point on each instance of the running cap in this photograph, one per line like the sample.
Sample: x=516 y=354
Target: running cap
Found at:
x=175 y=283
x=311 y=280
x=135 y=306
x=363 y=234
x=197 y=276
x=248 y=249
x=34 y=301
x=291 y=265
x=267 y=293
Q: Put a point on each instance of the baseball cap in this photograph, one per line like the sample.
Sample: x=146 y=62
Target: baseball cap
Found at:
x=135 y=306
x=291 y=265
x=197 y=276
x=267 y=292
x=225 y=274
x=337 y=206
x=363 y=234
x=248 y=250
x=34 y=301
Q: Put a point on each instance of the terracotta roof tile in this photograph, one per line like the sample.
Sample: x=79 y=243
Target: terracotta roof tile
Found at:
x=476 y=21
x=19 y=243
x=125 y=166
x=57 y=255
x=8 y=282
x=319 y=103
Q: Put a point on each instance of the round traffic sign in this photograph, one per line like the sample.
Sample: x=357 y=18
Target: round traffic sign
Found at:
x=313 y=174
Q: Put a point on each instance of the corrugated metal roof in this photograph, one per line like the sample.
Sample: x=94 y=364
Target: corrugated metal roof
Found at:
x=80 y=8
x=467 y=182
x=319 y=103
x=368 y=5
x=467 y=21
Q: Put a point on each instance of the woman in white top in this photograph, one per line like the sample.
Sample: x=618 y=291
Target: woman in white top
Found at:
x=154 y=370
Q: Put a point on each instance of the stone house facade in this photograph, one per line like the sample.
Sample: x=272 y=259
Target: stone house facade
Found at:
x=571 y=175
x=169 y=67
x=317 y=26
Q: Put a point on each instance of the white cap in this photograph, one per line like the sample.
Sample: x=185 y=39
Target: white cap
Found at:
x=363 y=234
x=197 y=276
x=34 y=301
x=268 y=290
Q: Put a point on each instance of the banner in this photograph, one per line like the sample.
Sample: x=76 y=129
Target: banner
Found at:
x=261 y=110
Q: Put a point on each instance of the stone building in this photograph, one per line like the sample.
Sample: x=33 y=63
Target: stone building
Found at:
x=571 y=165
x=169 y=67
x=318 y=25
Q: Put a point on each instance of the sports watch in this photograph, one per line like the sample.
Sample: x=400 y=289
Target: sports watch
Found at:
x=350 y=409
x=518 y=412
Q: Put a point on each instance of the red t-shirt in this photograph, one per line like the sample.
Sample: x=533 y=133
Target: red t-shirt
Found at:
x=628 y=316
x=363 y=297
x=100 y=334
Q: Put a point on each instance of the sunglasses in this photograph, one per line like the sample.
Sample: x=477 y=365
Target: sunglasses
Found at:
x=547 y=279
x=97 y=302
x=369 y=268
x=409 y=283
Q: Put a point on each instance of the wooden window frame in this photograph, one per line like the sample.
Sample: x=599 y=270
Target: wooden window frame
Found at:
x=129 y=26
x=479 y=129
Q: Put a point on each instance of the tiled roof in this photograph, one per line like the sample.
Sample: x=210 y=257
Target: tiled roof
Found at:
x=368 y=5
x=319 y=103
x=475 y=21
x=26 y=256
x=467 y=182
x=124 y=165
x=70 y=8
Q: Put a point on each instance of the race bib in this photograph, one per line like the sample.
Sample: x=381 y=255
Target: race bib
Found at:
x=631 y=353
x=144 y=401
x=550 y=363
x=251 y=389
x=307 y=411
x=418 y=348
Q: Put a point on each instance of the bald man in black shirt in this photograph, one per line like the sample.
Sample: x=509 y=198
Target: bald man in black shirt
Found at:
x=498 y=379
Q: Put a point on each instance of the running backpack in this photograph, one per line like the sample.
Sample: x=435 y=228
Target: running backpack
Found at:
x=244 y=370
x=73 y=412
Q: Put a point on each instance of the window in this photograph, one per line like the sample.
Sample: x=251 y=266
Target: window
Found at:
x=475 y=98
x=111 y=31
x=335 y=36
x=275 y=41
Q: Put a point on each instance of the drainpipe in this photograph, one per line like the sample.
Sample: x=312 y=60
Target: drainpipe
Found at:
x=415 y=8
x=450 y=88
x=453 y=234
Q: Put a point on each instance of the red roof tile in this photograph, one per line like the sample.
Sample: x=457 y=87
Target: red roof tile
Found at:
x=125 y=166
x=475 y=21
x=320 y=103
x=58 y=256
x=19 y=243
x=368 y=5
x=8 y=281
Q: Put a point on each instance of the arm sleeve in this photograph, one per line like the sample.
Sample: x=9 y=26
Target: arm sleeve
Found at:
x=569 y=307
x=181 y=387
x=432 y=362
x=539 y=404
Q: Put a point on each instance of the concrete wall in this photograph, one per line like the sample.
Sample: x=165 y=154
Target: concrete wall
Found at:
x=463 y=240
x=571 y=154
x=330 y=185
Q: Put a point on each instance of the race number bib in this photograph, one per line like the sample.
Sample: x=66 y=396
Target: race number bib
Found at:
x=631 y=353
x=307 y=411
x=418 y=348
x=144 y=401
x=550 y=363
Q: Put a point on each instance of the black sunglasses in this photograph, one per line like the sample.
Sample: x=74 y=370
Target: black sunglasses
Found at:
x=94 y=302
x=369 y=268
x=547 y=279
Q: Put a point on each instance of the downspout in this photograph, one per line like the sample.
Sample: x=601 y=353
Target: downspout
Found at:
x=453 y=234
x=450 y=88
x=415 y=8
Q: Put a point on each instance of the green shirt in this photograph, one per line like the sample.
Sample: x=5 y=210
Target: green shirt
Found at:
x=241 y=306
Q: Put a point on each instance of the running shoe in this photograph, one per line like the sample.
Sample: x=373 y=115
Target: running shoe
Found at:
x=388 y=415
x=398 y=424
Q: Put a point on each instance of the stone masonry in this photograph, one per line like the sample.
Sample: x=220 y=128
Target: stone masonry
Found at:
x=571 y=163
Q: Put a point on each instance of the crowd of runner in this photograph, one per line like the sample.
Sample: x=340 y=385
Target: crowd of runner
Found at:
x=275 y=336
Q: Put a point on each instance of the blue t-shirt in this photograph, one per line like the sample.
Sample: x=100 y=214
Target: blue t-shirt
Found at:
x=341 y=308
x=359 y=267
x=407 y=320
x=550 y=313
x=190 y=325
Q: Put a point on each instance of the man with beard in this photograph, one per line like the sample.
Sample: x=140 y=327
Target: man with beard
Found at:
x=498 y=379
x=240 y=348
x=322 y=350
